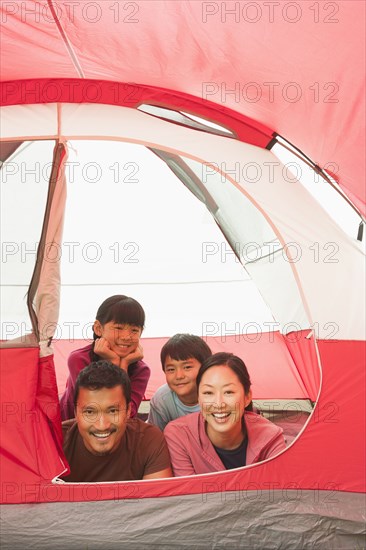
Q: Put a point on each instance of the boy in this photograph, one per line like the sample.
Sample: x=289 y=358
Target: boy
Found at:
x=181 y=358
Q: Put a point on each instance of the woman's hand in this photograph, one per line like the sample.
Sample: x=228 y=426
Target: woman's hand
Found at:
x=103 y=349
x=132 y=357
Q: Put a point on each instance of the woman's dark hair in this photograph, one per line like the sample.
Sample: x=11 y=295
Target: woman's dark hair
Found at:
x=121 y=310
x=185 y=346
x=103 y=374
x=234 y=363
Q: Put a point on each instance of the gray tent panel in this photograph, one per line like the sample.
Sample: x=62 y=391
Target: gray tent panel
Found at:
x=263 y=520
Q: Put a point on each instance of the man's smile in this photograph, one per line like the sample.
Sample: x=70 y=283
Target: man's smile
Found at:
x=102 y=435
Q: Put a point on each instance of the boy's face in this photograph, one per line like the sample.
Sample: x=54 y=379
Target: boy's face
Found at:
x=181 y=378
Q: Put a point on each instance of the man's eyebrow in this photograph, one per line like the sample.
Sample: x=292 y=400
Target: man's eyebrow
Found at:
x=96 y=408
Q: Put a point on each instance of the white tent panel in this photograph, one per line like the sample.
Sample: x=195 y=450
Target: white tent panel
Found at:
x=210 y=309
x=29 y=121
x=23 y=193
x=292 y=212
x=131 y=227
x=273 y=273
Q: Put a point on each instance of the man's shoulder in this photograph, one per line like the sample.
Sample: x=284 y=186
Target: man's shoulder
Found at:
x=142 y=435
x=139 y=427
x=68 y=427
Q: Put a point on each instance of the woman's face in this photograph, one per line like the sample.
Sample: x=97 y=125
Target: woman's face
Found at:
x=222 y=399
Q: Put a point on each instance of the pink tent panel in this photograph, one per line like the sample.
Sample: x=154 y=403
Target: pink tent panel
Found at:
x=51 y=90
x=330 y=437
x=272 y=370
x=291 y=67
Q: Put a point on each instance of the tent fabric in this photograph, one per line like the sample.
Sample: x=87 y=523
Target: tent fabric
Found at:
x=305 y=356
x=246 y=517
x=21 y=228
x=46 y=276
x=306 y=93
x=7 y=149
x=295 y=269
x=327 y=442
x=273 y=373
x=292 y=69
x=31 y=442
x=48 y=90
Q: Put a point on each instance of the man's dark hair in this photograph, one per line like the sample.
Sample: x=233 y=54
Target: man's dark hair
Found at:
x=185 y=346
x=103 y=374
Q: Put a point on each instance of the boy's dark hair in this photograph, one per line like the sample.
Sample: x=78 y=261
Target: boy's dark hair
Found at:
x=103 y=374
x=185 y=346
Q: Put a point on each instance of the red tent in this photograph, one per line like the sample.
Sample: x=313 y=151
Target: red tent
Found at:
x=212 y=91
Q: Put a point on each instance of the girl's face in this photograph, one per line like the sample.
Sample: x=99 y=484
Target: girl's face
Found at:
x=123 y=339
x=222 y=399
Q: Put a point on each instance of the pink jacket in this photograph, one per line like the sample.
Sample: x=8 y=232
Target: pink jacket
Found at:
x=192 y=452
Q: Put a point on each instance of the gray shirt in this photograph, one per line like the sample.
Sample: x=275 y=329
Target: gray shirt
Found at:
x=165 y=406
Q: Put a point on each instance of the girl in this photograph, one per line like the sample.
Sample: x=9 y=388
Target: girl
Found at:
x=225 y=434
x=116 y=333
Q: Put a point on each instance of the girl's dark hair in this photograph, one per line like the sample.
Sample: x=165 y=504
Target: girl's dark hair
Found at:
x=234 y=363
x=185 y=346
x=119 y=309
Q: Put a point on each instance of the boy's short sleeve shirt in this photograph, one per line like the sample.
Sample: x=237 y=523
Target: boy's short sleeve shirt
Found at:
x=142 y=451
x=165 y=406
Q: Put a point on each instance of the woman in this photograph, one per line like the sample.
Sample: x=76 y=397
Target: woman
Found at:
x=116 y=337
x=225 y=434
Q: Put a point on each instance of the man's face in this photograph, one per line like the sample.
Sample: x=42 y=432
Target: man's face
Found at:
x=101 y=416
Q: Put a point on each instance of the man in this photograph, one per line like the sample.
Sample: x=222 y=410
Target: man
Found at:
x=102 y=443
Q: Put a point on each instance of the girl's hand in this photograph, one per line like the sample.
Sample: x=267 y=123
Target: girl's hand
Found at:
x=102 y=348
x=132 y=357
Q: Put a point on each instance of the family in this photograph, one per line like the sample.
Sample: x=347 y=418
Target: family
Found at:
x=200 y=421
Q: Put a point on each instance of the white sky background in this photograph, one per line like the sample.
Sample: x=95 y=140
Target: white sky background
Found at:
x=154 y=241
x=133 y=228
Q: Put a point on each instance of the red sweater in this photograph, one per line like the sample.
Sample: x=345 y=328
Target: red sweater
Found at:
x=138 y=372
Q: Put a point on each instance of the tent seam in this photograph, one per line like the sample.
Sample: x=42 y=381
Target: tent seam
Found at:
x=66 y=41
